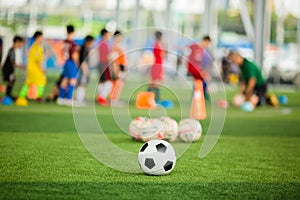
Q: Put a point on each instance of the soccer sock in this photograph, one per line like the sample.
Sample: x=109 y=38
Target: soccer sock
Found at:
x=70 y=91
x=62 y=92
x=80 y=94
x=41 y=90
x=157 y=94
x=107 y=88
x=23 y=92
x=9 y=88
x=101 y=89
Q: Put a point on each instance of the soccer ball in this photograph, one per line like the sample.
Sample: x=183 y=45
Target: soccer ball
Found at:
x=171 y=128
x=135 y=127
x=238 y=100
x=152 y=129
x=157 y=157
x=190 y=130
x=247 y=107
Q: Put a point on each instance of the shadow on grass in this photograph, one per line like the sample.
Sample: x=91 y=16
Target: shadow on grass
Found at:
x=153 y=190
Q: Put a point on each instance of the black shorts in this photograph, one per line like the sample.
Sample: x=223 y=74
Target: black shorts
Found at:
x=58 y=82
x=260 y=92
x=122 y=68
x=104 y=72
x=9 y=77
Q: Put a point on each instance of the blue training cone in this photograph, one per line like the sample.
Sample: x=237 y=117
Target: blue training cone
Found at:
x=166 y=104
x=283 y=99
x=7 y=101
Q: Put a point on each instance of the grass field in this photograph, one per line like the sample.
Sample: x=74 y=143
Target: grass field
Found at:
x=256 y=157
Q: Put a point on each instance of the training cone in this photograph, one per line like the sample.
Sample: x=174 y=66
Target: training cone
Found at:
x=21 y=102
x=222 y=103
x=272 y=100
x=166 y=104
x=32 y=92
x=282 y=99
x=2 y=89
x=198 y=110
x=7 y=101
x=145 y=100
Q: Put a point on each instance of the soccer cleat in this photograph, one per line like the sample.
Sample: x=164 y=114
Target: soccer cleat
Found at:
x=68 y=102
x=102 y=101
x=21 y=102
x=60 y=101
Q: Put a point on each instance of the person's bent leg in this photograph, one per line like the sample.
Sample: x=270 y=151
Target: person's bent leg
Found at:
x=23 y=91
x=71 y=86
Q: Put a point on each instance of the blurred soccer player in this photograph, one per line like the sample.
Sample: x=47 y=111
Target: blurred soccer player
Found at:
x=10 y=65
x=253 y=85
x=36 y=74
x=105 y=84
x=119 y=62
x=157 y=70
x=70 y=69
x=197 y=51
x=84 y=68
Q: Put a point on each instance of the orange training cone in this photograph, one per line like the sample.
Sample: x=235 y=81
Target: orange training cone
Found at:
x=198 y=110
x=145 y=100
x=32 y=92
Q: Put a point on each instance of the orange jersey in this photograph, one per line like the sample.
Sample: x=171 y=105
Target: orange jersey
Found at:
x=121 y=58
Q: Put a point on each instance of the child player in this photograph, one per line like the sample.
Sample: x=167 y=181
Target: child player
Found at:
x=118 y=64
x=70 y=69
x=84 y=68
x=35 y=70
x=198 y=110
x=157 y=71
x=10 y=65
x=195 y=59
x=105 y=84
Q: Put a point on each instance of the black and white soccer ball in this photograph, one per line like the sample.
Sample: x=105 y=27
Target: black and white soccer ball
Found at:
x=157 y=157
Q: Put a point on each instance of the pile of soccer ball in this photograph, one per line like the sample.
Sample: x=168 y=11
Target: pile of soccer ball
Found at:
x=166 y=128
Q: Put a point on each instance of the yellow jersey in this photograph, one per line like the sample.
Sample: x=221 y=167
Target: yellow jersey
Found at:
x=35 y=75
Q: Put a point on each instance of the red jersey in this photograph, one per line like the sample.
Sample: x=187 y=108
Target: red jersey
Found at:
x=194 y=61
x=69 y=47
x=157 y=51
x=103 y=52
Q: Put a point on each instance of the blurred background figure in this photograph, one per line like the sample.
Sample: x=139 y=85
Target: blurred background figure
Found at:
x=1 y=49
x=36 y=74
x=157 y=69
x=70 y=69
x=8 y=69
x=197 y=51
x=253 y=85
x=84 y=67
x=105 y=83
x=119 y=66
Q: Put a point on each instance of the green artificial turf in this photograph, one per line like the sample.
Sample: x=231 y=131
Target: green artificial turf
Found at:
x=256 y=157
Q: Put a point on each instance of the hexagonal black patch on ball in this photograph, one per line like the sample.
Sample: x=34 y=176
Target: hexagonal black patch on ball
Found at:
x=144 y=147
x=168 y=166
x=161 y=148
x=149 y=163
